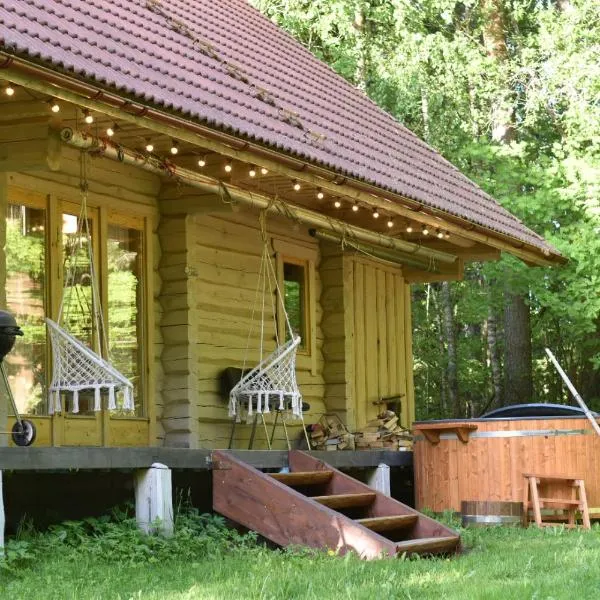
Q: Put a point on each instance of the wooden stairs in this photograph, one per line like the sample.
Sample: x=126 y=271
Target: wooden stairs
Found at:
x=316 y=505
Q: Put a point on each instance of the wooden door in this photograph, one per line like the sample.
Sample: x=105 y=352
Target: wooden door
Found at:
x=379 y=295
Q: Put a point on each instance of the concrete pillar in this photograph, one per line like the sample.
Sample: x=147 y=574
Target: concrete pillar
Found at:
x=154 y=500
x=379 y=478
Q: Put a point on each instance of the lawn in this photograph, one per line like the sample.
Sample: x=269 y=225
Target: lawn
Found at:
x=108 y=558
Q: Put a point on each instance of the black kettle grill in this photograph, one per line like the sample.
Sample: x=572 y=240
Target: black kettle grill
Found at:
x=23 y=431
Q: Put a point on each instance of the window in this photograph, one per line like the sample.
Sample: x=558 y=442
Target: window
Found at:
x=294 y=293
x=125 y=304
x=118 y=252
x=26 y=300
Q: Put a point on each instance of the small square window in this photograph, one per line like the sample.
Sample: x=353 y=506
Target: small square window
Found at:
x=294 y=286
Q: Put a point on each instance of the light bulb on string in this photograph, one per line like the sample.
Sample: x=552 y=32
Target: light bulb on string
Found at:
x=355 y=207
x=439 y=234
x=228 y=167
x=9 y=90
x=390 y=223
x=174 y=148
x=202 y=162
x=54 y=106
x=320 y=194
x=110 y=131
x=296 y=186
x=425 y=231
x=263 y=171
x=252 y=171
x=338 y=203
x=149 y=146
x=409 y=228
x=88 y=117
x=375 y=213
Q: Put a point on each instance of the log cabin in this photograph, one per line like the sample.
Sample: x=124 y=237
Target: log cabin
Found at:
x=199 y=132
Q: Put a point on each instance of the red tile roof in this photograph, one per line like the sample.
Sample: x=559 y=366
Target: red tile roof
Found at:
x=225 y=65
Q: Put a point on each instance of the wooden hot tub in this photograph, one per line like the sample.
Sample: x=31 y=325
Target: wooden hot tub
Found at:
x=484 y=459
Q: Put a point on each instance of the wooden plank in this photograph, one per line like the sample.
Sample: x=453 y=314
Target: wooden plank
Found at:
x=410 y=388
x=360 y=350
x=432 y=545
x=338 y=501
x=303 y=477
x=383 y=382
x=371 y=345
x=394 y=337
x=388 y=523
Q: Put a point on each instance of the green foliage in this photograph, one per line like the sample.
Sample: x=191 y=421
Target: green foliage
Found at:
x=105 y=558
x=430 y=64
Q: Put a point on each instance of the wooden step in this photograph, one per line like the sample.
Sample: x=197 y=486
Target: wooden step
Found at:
x=431 y=545
x=303 y=477
x=345 y=500
x=388 y=523
x=559 y=503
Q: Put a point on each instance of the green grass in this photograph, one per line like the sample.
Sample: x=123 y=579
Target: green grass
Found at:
x=108 y=558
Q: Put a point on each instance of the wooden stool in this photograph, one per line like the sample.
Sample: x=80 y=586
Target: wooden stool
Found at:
x=573 y=498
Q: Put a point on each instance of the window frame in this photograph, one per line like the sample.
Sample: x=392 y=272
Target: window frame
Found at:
x=304 y=256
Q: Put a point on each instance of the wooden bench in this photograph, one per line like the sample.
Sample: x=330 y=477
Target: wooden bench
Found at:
x=572 y=499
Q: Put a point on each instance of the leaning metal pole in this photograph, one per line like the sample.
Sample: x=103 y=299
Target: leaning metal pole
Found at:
x=573 y=391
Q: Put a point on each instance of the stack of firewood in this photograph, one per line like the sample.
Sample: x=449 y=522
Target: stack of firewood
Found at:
x=330 y=434
x=383 y=432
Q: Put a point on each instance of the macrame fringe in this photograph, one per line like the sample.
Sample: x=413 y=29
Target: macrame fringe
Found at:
x=97 y=400
x=75 y=408
x=112 y=401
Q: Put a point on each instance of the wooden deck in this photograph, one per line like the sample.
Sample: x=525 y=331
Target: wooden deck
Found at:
x=86 y=458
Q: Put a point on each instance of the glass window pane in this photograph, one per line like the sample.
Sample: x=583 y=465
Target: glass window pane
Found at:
x=294 y=282
x=26 y=299
x=125 y=310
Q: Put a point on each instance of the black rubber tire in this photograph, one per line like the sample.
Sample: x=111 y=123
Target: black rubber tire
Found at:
x=23 y=434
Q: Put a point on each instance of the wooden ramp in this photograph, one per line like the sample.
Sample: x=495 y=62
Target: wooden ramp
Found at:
x=316 y=505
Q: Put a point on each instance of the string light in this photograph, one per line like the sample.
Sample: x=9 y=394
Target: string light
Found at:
x=296 y=186
x=149 y=145
x=447 y=234
x=252 y=171
x=54 y=106
x=439 y=234
x=390 y=222
x=9 y=90
x=174 y=148
x=355 y=207
x=338 y=203
x=425 y=231
x=264 y=171
x=320 y=194
x=409 y=228
x=110 y=131
x=202 y=162
x=228 y=167
x=375 y=213
x=87 y=117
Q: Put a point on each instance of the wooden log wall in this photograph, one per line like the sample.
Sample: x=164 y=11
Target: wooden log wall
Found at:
x=222 y=273
x=491 y=467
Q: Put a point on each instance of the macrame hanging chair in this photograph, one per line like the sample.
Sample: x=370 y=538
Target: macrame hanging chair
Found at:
x=274 y=378
x=75 y=367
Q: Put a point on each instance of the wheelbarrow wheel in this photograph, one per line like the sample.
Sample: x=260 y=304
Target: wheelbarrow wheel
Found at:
x=23 y=434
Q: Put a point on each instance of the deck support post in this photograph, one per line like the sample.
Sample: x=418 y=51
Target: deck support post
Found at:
x=379 y=478
x=154 y=500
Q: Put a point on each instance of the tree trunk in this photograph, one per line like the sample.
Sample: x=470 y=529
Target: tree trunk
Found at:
x=494 y=357
x=452 y=366
x=518 y=381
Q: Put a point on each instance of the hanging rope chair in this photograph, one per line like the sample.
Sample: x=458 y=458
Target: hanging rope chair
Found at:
x=75 y=367
x=274 y=378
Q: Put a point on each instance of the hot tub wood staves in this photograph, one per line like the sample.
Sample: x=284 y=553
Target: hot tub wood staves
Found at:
x=454 y=461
